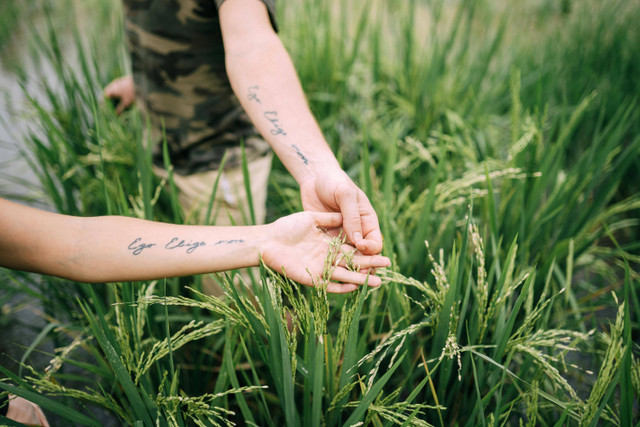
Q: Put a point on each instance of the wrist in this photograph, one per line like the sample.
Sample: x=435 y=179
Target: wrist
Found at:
x=319 y=167
x=266 y=235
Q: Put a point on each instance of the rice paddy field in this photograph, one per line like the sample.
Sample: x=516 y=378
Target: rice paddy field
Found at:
x=500 y=145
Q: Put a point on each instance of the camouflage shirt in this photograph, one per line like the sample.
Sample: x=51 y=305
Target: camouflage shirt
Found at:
x=177 y=57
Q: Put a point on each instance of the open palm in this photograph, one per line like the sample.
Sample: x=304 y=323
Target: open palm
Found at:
x=299 y=245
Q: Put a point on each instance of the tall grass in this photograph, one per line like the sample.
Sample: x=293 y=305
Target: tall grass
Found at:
x=513 y=293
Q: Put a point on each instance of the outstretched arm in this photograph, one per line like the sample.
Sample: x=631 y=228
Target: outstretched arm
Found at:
x=265 y=81
x=111 y=248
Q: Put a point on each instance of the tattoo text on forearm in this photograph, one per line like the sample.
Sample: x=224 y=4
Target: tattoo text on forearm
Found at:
x=176 y=243
x=299 y=153
x=253 y=94
x=276 y=129
x=272 y=117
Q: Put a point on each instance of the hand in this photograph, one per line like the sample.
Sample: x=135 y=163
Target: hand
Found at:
x=25 y=412
x=335 y=192
x=297 y=244
x=123 y=91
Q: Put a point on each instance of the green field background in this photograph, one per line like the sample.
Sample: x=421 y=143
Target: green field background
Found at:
x=499 y=143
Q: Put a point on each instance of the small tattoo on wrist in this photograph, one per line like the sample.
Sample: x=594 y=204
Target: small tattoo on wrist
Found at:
x=228 y=242
x=299 y=153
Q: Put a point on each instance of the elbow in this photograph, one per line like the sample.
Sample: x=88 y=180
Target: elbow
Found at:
x=252 y=52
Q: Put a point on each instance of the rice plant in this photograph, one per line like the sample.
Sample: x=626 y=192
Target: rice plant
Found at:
x=513 y=295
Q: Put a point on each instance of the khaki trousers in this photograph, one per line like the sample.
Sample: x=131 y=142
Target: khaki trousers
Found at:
x=230 y=203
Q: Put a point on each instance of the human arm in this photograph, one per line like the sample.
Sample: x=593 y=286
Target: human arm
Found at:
x=265 y=81
x=112 y=248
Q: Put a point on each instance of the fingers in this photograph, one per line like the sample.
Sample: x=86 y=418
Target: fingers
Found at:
x=341 y=288
x=327 y=219
x=352 y=271
x=341 y=274
x=372 y=262
x=371 y=244
x=360 y=221
x=348 y=281
x=353 y=260
x=347 y=199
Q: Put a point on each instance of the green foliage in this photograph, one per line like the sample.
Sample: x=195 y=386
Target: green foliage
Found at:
x=508 y=198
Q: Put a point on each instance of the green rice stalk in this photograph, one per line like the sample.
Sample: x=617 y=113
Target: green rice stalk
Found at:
x=371 y=394
x=592 y=409
x=191 y=332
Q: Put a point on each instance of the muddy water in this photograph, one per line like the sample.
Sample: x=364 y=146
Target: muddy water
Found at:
x=16 y=177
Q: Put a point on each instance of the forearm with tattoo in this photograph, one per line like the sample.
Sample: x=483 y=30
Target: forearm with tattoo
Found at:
x=138 y=245
x=276 y=127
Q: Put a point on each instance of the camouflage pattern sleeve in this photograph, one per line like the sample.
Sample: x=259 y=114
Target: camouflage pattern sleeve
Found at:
x=178 y=66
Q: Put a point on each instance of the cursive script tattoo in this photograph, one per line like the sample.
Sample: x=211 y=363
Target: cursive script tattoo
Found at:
x=227 y=242
x=137 y=246
x=272 y=116
x=191 y=246
x=299 y=153
x=253 y=94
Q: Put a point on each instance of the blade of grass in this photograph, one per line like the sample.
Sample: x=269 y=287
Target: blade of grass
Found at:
x=256 y=380
x=173 y=190
x=371 y=394
x=318 y=378
x=214 y=190
x=8 y=422
x=444 y=317
x=626 y=387
x=505 y=333
x=41 y=336
x=431 y=387
x=99 y=328
x=247 y=184
x=350 y=353
x=417 y=245
x=229 y=364
x=479 y=406
x=280 y=359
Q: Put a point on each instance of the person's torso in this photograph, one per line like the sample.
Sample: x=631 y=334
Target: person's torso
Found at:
x=177 y=57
